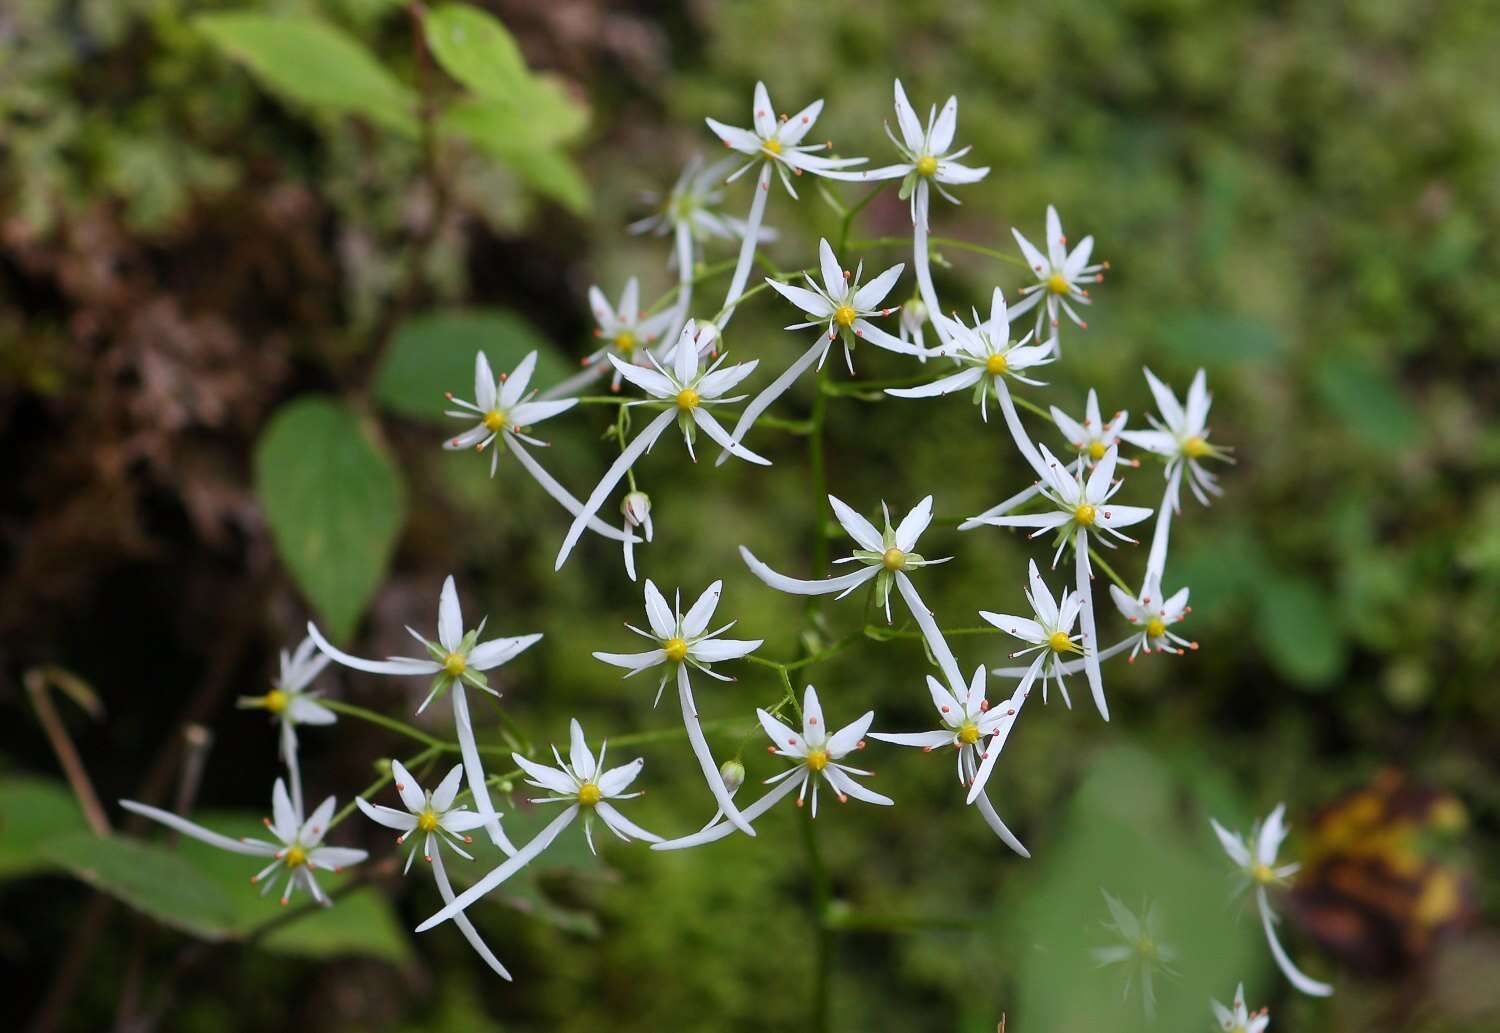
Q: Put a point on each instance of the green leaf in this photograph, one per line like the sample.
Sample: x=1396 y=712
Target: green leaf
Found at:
x=1297 y=632
x=525 y=145
x=472 y=46
x=434 y=352
x=361 y=923
x=152 y=879
x=33 y=811
x=311 y=62
x=1368 y=403
x=1216 y=339
x=334 y=502
x=515 y=132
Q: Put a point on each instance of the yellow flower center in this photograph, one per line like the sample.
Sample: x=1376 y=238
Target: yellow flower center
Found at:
x=817 y=760
x=1156 y=627
x=427 y=821
x=926 y=165
x=454 y=664
x=494 y=420
x=996 y=364
x=676 y=649
x=968 y=733
x=1262 y=874
x=294 y=856
x=687 y=399
x=1196 y=448
x=589 y=794
x=844 y=315
x=1057 y=284
x=276 y=701
x=1085 y=514
x=893 y=559
x=625 y=341
x=1146 y=947
x=1097 y=450
x=1059 y=642
x=772 y=146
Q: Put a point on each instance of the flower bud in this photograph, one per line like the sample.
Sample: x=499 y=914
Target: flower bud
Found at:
x=733 y=774
x=636 y=508
x=913 y=316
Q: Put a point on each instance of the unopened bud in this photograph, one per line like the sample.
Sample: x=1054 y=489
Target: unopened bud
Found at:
x=636 y=508
x=913 y=315
x=733 y=774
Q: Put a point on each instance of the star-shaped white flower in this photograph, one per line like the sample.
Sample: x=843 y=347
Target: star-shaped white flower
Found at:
x=1060 y=275
x=1256 y=860
x=691 y=389
x=988 y=356
x=968 y=721
x=1048 y=632
x=1181 y=435
x=1141 y=951
x=584 y=785
x=626 y=335
x=436 y=823
x=885 y=557
x=816 y=754
x=683 y=641
x=1094 y=436
x=1081 y=509
x=928 y=153
x=456 y=659
x=298 y=849
x=778 y=142
x=1154 y=616
x=503 y=408
x=843 y=305
x=689 y=207
x=1239 y=1019
x=291 y=704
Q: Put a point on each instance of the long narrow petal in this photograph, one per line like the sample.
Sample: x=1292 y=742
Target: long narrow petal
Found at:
x=778 y=387
x=1086 y=614
x=930 y=630
x=621 y=825
x=999 y=510
x=992 y=819
x=716 y=431
x=396 y=665
x=782 y=583
x=463 y=726
x=643 y=441
x=704 y=754
x=445 y=890
x=723 y=828
x=1294 y=975
x=946 y=385
x=198 y=832
x=498 y=875
x=562 y=495
x=747 y=244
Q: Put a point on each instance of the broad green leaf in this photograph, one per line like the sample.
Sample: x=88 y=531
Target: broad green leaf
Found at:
x=334 y=502
x=434 y=352
x=515 y=131
x=1368 y=402
x=362 y=922
x=312 y=62
x=33 y=811
x=478 y=51
x=1297 y=632
x=150 y=878
x=543 y=167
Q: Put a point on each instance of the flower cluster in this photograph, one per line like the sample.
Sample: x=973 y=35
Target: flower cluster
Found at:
x=676 y=367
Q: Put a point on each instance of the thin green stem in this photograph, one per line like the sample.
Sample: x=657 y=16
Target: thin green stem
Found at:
x=380 y=783
x=388 y=723
x=823 y=932
x=1109 y=571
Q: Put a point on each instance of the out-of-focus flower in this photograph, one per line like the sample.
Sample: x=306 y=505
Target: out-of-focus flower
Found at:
x=626 y=335
x=1181 y=435
x=1141 y=952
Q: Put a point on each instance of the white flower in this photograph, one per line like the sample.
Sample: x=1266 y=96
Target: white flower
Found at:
x=1181 y=435
x=1142 y=951
x=779 y=142
x=624 y=332
x=928 y=153
x=816 y=754
x=987 y=354
x=1154 y=615
x=1256 y=860
x=684 y=641
x=886 y=557
x=1239 y=1020
x=843 y=305
x=1094 y=436
x=690 y=389
x=968 y=720
x=636 y=508
x=1059 y=274
x=501 y=408
x=289 y=702
x=298 y=848
x=690 y=204
x=456 y=659
x=582 y=784
x=1082 y=508
x=1049 y=632
x=437 y=822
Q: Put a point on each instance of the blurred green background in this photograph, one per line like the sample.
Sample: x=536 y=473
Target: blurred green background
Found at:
x=204 y=234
